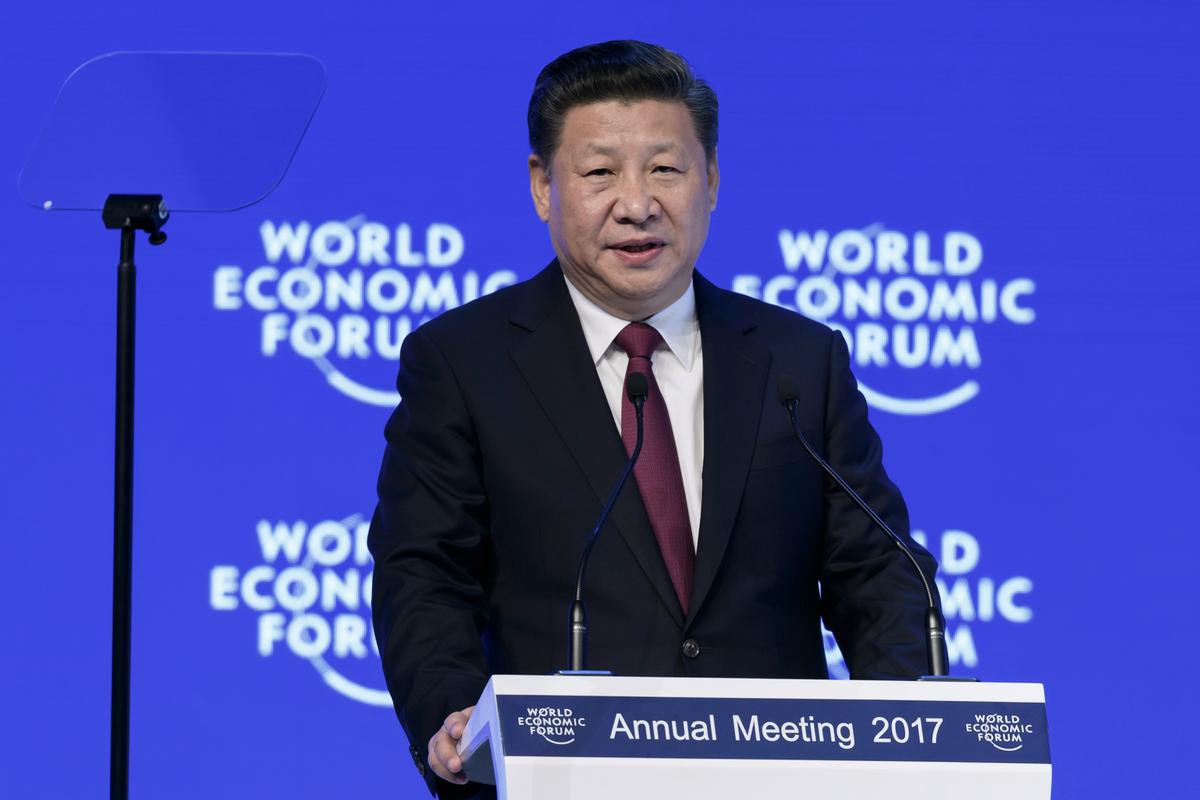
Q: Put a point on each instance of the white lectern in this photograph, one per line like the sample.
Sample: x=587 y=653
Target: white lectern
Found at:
x=584 y=738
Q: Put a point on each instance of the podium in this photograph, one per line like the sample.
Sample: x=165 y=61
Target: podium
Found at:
x=587 y=738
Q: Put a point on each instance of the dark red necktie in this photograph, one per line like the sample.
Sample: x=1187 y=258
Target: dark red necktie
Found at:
x=657 y=472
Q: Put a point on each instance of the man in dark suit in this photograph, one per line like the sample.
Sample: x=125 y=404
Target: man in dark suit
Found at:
x=728 y=549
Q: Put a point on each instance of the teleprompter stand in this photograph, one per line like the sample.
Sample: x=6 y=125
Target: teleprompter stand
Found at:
x=196 y=128
x=128 y=213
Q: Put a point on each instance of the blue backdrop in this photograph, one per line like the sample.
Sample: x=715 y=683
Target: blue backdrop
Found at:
x=995 y=201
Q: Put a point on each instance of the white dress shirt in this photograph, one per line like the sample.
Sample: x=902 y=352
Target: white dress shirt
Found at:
x=678 y=369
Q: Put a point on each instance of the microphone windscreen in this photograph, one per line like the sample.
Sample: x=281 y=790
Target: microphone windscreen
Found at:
x=786 y=387
x=636 y=386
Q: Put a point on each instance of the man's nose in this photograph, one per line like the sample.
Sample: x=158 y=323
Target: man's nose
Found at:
x=635 y=202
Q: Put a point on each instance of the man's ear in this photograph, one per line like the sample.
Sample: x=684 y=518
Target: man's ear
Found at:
x=714 y=181
x=539 y=187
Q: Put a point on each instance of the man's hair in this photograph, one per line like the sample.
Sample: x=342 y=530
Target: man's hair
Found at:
x=625 y=70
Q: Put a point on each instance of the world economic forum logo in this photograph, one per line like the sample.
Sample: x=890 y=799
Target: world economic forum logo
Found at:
x=914 y=307
x=343 y=294
x=557 y=726
x=1005 y=732
x=976 y=600
x=309 y=588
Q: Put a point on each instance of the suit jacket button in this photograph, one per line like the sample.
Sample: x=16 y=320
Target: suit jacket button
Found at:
x=691 y=648
x=416 y=757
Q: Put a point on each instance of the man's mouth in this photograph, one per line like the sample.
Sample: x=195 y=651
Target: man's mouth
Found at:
x=638 y=247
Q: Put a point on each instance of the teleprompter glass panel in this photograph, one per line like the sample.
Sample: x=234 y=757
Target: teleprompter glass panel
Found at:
x=208 y=131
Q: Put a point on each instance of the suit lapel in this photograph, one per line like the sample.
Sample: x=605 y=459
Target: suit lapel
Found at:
x=735 y=374
x=551 y=354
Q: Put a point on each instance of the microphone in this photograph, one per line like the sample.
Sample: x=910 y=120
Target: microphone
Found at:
x=935 y=625
x=636 y=389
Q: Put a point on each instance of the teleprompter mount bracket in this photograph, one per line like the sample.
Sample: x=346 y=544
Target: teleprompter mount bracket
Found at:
x=141 y=212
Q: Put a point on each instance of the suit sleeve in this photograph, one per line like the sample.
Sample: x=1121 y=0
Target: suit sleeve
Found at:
x=872 y=600
x=429 y=541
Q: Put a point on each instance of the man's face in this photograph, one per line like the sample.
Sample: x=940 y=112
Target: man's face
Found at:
x=627 y=197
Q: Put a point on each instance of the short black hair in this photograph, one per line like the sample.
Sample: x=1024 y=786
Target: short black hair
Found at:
x=625 y=70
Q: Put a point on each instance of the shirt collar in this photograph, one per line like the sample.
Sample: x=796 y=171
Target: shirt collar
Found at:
x=677 y=323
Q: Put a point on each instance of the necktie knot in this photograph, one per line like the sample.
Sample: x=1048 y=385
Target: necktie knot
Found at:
x=638 y=340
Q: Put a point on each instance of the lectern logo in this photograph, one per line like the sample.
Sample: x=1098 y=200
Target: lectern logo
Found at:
x=555 y=725
x=1002 y=731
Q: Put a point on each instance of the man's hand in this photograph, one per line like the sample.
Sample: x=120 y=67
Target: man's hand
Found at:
x=443 y=747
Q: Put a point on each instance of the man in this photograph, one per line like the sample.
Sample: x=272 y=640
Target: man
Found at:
x=514 y=427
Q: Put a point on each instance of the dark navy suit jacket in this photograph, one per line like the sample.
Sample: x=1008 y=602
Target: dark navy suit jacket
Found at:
x=503 y=449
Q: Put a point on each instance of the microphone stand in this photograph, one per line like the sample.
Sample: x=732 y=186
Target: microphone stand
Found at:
x=636 y=388
x=935 y=624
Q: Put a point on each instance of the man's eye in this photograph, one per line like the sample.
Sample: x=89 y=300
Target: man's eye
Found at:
x=665 y=168
x=599 y=171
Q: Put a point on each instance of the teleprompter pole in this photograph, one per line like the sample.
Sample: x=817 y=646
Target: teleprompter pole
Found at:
x=128 y=213
x=118 y=788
